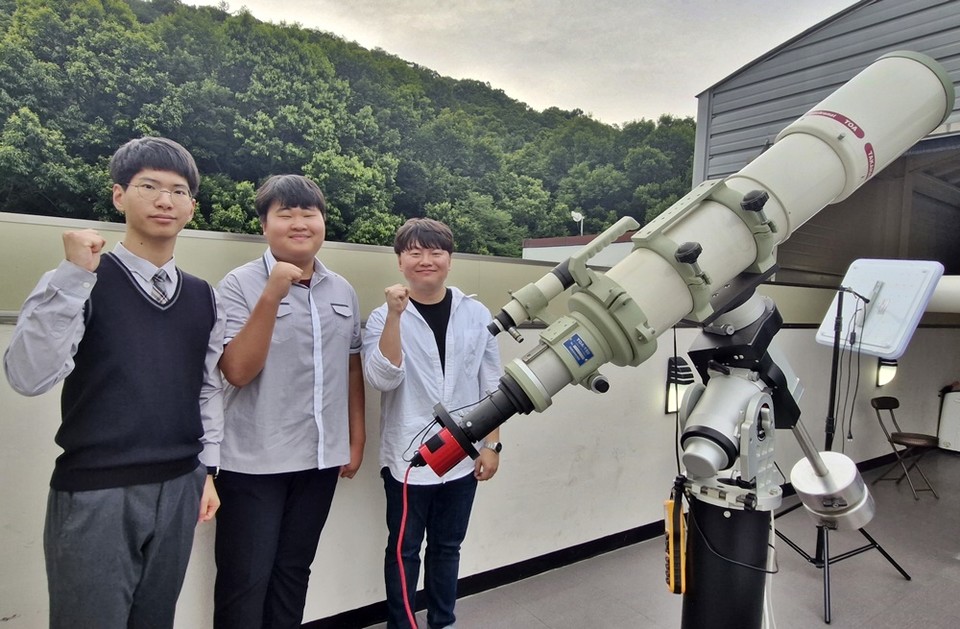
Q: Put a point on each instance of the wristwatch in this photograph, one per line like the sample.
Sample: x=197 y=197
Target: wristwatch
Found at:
x=213 y=470
x=496 y=446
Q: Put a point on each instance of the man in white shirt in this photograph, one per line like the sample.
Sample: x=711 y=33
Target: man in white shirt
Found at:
x=427 y=344
x=294 y=410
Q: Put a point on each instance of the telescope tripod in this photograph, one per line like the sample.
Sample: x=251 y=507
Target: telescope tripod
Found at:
x=822 y=559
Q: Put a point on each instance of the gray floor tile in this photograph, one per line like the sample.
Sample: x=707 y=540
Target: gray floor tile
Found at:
x=625 y=588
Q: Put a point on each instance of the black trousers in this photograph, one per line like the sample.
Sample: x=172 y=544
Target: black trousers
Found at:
x=268 y=527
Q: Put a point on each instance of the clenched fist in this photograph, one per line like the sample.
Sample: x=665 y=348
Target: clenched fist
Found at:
x=398 y=296
x=282 y=277
x=83 y=247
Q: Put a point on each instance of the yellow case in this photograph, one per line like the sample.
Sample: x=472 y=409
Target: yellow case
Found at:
x=675 y=539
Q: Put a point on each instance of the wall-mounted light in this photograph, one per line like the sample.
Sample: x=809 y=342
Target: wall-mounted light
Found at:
x=886 y=370
x=679 y=377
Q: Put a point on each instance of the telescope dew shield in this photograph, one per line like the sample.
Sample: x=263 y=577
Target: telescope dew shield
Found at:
x=850 y=136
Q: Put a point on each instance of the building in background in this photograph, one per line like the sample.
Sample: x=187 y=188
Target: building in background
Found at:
x=911 y=210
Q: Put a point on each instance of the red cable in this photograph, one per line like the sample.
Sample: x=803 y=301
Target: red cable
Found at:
x=403 y=573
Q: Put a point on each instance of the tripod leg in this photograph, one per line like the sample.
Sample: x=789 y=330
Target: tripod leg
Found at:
x=824 y=535
x=885 y=555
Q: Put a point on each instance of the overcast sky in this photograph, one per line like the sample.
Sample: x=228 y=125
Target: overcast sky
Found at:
x=618 y=60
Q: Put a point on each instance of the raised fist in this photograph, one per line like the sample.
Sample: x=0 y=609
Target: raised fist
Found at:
x=83 y=247
x=398 y=296
x=282 y=277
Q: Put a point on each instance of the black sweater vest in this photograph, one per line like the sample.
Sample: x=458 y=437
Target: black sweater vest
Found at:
x=131 y=406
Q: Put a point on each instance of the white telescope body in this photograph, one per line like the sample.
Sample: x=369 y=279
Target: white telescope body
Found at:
x=946 y=296
x=699 y=260
x=816 y=161
x=717 y=233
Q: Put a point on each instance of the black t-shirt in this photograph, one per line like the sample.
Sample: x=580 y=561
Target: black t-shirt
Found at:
x=437 y=317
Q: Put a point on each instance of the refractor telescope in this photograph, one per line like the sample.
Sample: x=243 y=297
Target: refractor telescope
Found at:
x=701 y=261
x=704 y=254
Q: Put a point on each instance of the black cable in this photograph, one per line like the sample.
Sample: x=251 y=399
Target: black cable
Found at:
x=484 y=398
x=846 y=399
x=422 y=434
x=676 y=424
x=783 y=476
x=856 y=345
x=710 y=547
x=856 y=387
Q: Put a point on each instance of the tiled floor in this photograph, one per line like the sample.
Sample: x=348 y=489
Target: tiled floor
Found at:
x=625 y=588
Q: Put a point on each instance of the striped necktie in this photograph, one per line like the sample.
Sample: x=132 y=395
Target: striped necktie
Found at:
x=159 y=291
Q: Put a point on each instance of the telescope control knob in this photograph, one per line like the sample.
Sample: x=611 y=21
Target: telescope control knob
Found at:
x=688 y=252
x=754 y=200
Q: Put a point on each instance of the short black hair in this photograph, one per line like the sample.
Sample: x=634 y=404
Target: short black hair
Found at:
x=290 y=191
x=423 y=232
x=157 y=154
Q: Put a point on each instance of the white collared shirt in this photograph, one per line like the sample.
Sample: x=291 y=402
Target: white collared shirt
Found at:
x=410 y=391
x=293 y=415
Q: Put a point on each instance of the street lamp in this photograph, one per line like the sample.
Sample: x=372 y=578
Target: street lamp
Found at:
x=578 y=218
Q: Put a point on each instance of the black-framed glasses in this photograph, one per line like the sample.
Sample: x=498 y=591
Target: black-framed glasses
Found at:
x=151 y=192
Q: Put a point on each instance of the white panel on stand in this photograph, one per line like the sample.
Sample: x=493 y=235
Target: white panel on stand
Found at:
x=898 y=292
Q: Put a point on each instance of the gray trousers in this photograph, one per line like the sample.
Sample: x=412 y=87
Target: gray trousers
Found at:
x=116 y=558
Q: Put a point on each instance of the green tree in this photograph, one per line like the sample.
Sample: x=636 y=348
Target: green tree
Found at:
x=226 y=205
x=386 y=139
x=530 y=206
x=602 y=194
x=39 y=176
x=478 y=226
x=353 y=190
x=453 y=140
x=375 y=228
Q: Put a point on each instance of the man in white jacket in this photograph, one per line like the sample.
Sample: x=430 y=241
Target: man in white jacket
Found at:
x=427 y=344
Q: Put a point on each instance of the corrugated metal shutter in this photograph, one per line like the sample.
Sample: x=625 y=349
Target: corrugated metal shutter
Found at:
x=748 y=109
x=912 y=209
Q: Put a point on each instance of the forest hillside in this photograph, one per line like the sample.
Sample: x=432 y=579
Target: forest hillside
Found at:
x=384 y=138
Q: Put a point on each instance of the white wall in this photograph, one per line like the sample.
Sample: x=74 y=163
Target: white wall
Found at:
x=608 y=257
x=588 y=467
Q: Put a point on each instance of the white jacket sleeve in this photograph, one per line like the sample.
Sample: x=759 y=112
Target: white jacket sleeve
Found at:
x=379 y=372
x=490 y=367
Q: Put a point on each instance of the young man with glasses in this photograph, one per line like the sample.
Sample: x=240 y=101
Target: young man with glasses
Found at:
x=136 y=342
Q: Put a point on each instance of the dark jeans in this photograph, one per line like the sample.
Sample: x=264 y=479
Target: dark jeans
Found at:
x=268 y=527
x=442 y=511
